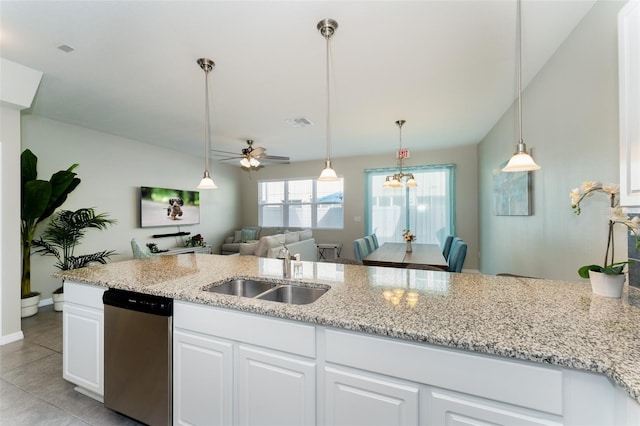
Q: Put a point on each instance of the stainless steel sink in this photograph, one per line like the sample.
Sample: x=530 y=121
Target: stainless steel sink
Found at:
x=266 y=290
x=293 y=294
x=241 y=287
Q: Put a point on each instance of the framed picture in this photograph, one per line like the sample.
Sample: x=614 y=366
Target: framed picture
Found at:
x=512 y=193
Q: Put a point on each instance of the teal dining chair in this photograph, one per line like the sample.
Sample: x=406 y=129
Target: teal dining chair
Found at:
x=457 y=255
x=360 y=248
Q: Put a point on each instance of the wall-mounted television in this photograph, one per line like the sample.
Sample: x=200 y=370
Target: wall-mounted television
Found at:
x=168 y=207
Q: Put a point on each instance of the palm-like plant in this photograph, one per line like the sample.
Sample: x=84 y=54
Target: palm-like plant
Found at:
x=65 y=231
x=40 y=198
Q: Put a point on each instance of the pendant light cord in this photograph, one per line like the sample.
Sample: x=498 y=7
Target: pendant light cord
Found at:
x=327 y=36
x=519 y=35
x=207 y=140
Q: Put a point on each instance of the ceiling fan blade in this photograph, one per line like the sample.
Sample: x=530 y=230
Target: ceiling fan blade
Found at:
x=271 y=157
x=230 y=158
x=223 y=152
x=257 y=151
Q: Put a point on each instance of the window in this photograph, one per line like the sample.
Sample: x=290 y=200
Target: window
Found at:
x=303 y=203
x=428 y=209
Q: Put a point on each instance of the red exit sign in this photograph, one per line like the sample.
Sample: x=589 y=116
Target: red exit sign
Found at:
x=403 y=153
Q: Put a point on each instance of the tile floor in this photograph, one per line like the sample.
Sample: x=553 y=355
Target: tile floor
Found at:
x=32 y=390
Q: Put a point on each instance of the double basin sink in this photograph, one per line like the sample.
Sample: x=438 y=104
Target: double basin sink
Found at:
x=266 y=290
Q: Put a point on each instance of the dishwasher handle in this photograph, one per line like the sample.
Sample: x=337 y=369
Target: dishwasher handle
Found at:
x=148 y=303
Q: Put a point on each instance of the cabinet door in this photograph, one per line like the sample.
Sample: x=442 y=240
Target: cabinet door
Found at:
x=202 y=380
x=82 y=353
x=368 y=399
x=451 y=409
x=275 y=388
x=629 y=81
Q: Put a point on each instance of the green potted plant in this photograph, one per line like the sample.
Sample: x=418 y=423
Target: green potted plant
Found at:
x=61 y=236
x=39 y=199
x=606 y=279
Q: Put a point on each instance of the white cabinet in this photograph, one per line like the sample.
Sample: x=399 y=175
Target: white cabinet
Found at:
x=202 y=380
x=83 y=338
x=275 y=388
x=238 y=368
x=629 y=81
x=451 y=409
x=359 y=398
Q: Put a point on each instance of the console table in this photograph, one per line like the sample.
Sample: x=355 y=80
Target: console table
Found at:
x=324 y=250
x=182 y=250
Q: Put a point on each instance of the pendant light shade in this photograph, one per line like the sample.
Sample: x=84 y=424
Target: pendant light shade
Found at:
x=206 y=182
x=521 y=160
x=327 y=27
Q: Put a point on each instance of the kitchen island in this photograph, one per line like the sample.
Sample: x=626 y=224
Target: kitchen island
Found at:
x=411 y=345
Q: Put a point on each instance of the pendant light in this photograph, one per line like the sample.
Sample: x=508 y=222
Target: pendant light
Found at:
x=206 y=182
x=395 y=180
x=327 y=27
x=521 y=160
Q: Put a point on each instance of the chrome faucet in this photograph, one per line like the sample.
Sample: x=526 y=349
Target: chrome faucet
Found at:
x=286 y=262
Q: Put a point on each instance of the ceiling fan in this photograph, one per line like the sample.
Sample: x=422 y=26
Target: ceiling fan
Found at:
x=251 y=157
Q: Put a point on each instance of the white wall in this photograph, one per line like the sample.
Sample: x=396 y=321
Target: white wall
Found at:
x=352 y=169
x=570 y=113
x=112 y=169
x=18 y=85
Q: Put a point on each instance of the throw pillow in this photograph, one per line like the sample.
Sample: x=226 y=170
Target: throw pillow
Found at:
x=305 y=234
x=248 y=235
x=237 y=237
x=248 y=248
x=291 y=237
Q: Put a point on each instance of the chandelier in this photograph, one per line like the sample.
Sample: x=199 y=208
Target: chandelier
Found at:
x=395 y=180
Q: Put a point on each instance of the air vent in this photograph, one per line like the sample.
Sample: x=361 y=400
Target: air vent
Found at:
x=66 y=48
x=299 y=122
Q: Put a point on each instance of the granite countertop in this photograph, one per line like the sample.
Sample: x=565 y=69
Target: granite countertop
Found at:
x=553 y=322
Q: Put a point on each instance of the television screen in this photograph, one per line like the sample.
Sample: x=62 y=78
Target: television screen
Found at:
x=168 y=207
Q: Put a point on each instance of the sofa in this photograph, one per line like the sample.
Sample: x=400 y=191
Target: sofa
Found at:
x=297 y=242
x=245 y=234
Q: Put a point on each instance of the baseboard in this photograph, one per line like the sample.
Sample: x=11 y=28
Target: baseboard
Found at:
x=45 y=302
x=13 y=337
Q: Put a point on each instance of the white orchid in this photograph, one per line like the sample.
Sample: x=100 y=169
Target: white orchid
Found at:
x=616 y=216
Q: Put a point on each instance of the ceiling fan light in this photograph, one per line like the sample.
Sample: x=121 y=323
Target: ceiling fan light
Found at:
x=328 y=174
x=207 y=182
x=245 y=163
x=253 y=162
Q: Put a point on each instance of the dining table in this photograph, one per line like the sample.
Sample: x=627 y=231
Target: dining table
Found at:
x=396 y=255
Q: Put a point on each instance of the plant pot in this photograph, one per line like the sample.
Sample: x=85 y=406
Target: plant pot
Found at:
x=409 y=248
x=606 y=285
x=58 y=301
x=29 y=305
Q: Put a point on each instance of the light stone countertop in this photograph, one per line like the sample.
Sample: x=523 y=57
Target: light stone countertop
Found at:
x=553 y=322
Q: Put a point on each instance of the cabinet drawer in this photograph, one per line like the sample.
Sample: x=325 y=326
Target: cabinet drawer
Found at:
x=282 y=335
x=84 y=294
x=513 y=382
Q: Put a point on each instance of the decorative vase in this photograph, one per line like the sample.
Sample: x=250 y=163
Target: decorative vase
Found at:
x=29 y=305
x=409 y=248
x=58 y=301
x=606 y=285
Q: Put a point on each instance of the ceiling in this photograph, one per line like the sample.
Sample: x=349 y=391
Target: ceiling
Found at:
x=447 y=67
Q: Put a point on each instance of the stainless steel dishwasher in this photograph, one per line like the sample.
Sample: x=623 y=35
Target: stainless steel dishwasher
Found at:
x=137 y=355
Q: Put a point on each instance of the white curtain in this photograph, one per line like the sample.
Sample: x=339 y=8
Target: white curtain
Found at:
x=427 y=210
